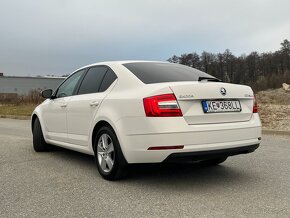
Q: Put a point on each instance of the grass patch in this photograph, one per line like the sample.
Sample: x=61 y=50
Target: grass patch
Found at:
x=23 y=110
x=17 y=106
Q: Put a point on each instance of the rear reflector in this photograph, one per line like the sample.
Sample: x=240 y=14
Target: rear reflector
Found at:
x=166 y=147
x=162 y=106
x=255 y=105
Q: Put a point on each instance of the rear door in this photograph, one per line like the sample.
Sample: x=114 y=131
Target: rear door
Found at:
x=214 y=102
x=83 y=107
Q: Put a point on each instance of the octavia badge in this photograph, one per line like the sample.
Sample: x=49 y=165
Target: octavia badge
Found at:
x=223 y=91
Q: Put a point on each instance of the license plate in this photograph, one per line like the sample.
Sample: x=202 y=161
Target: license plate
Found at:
x=221 y=106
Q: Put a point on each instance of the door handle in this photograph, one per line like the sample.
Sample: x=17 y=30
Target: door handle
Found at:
x=63 y=105
x=94 y=103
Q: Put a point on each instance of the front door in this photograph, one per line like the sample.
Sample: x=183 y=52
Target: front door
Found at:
x=55 y=110
x=55 y=119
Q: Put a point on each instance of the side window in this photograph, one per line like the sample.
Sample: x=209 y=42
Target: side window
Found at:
x=67 y=88
x=91 y=82
x=109 y=78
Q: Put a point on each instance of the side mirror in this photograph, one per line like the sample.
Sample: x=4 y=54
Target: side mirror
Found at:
x=46 y=93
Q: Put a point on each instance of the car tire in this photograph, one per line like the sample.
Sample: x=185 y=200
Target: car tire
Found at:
x=109 y=158
x=213 y=162
x=39 y=143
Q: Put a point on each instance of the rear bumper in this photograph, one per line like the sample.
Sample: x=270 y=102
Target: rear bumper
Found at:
x=136 y=135
x=137 y=148
x=204 y=155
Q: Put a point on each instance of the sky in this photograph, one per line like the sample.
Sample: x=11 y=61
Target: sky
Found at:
x=59 y=36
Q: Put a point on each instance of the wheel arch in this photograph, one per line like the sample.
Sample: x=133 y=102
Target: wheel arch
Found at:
x=37 y=115
x=100 y=124
x=96 y=128
x=33 y=118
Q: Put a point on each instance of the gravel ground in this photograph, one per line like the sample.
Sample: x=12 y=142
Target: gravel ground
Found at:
x=64 y=183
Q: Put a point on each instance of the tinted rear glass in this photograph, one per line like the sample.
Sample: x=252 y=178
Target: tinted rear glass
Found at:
x=92 y=81
x=108 y=80
x=151 y=72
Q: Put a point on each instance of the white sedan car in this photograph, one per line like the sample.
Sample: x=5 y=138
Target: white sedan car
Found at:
x=147 y=112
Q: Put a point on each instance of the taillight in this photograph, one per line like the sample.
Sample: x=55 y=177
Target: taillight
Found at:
x=162 y=106
x=255 y=105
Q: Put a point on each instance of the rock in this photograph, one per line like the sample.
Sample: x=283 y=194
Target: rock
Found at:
x=286 y=87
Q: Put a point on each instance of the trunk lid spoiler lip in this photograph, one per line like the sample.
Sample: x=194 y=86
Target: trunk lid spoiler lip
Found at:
x=209 y=79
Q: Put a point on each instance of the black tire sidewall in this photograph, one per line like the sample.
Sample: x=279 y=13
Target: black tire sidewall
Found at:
x=39 y=143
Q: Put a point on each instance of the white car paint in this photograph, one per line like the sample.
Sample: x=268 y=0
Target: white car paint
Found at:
x=69 y=122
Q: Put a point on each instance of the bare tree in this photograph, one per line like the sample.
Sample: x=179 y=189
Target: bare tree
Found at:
x=261 y=71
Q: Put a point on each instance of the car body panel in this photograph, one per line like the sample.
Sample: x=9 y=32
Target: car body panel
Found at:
x=121 y=105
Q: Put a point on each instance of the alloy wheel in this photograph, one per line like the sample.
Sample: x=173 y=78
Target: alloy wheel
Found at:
x=106 y=153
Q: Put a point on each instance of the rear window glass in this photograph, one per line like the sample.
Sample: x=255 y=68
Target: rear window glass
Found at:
x=151 y=72
x=109 y=78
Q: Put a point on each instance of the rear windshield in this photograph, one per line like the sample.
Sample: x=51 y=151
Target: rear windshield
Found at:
x=154 y=72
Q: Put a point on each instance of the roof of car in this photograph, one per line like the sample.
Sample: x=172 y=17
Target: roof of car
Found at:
x=125 y=62
x=118 y=62
x=128 y=61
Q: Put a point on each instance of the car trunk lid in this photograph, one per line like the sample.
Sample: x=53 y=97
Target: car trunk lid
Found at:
x=190 y=96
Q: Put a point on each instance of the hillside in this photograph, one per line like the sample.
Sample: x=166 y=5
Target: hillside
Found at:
x=274 y=109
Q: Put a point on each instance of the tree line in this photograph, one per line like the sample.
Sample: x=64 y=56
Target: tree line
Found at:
x=259 y=70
